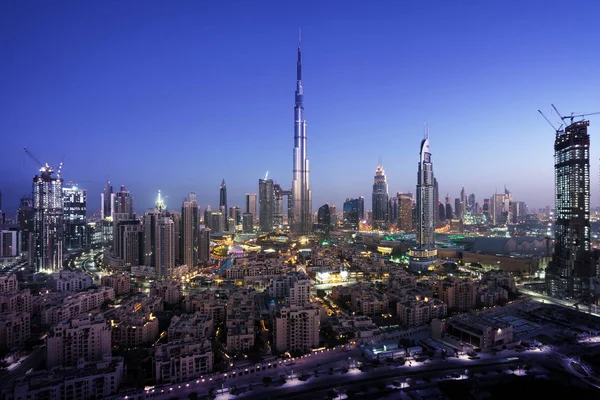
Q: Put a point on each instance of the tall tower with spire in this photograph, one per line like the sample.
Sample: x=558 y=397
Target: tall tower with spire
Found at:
x=301 y=194
x=223 y=204
x=380 y=199
x=424 y=253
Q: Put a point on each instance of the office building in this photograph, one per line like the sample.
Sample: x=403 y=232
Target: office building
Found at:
x=247 y=223
x=569 y=273
x=165 y=247
x=302 y=218
x=266 y=200
x=458 y=208
x=324 y=217
x=393 y=210
x=75 y=217
x=48 y=220
x=204 y=244
x=190 y=212
x=25 y=217
x=107 y=201
x=424 y=253
x=354 y=212
x=277 y=205
x=223 y=204
x=449 y=213
x=442 y=212
x=251 y=205
x=380 y=200
x=405 y=211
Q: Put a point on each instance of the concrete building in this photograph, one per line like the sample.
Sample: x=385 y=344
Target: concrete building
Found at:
x=480 y=332
x=296 y=328
x=75 y=217
x=96 y=380
x=266 y=202
x=460 y=294
x=251 y=204
x=121 y=283
x=134 y=329
x=168 y=290
x=293 y=288
x=85 y=337
x=196 y=327
x=190 y=212
x=76 y=304
x=419 y=312
x=206 y=302
x=183 y=361
x=70 y=281
x=15 y=329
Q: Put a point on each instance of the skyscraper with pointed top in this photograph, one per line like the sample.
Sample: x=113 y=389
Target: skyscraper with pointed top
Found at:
x=301 y=194
x=223 y=203
x=424 y=253
x=380 y=199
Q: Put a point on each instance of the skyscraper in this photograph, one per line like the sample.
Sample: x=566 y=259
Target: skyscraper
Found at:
x=277 y=205
x=25 y=217
x=324 y=217
x=107 y=201
x=164 y=247
x=463 y=202
x=122 y=210
x=571 y=267
x=204 y=244
x=424 y=253
x=223 y=203
x=354 y=212
x=380 y=199
x=251 y=205
x=266 y=199
x=393 y=210
x=75 y=216
x=48 y=219
x=458 y=208
x=190 y=212
x=405 y=206
x=301 y=193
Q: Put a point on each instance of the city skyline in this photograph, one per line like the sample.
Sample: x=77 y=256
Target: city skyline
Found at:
x=112 y=114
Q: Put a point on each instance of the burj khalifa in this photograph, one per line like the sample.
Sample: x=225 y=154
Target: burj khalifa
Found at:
x=302 y=219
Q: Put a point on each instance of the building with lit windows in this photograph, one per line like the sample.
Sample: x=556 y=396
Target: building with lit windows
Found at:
x=296 y=328
x=48 y=220
x=380 y=200
x=75 y=217
x=568 y=275
x=354 y=212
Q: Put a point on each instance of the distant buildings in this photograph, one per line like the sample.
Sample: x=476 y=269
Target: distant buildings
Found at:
x=251 y=205
x=380 y=200
x=223 y=204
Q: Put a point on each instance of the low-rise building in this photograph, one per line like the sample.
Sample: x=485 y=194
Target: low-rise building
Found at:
x=15 y=329
x=85 y=381
x=120 y=282
x=480 y=332
x=16 y=301
x=133 y=330
x=296 y=328
x=207 y=302
x=418 y=311
x=198 y=327
x=86 y=337
x=70 y=281
x=8 y=283
x=353 y=327
x=182 y=361
x=76 y=304
x=169 y=290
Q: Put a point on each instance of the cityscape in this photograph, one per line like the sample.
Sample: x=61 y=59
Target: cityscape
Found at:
x=418 y=290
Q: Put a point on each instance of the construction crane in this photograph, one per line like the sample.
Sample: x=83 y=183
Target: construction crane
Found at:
x=572 y=116
x=45 y=169
x=559 y=130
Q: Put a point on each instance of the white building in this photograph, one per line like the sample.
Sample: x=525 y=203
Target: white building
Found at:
x=296 y=328
x=120 y=282
x=86 y=337
x=180 y=362
x=70 y=281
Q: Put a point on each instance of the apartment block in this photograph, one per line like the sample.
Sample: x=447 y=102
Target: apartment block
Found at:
x=169 y=290
x=182 y=361
x=70 y=281
x=120 y=282
x=190 y=327
x=296 y=328
x=76 y=304
x=15 y=329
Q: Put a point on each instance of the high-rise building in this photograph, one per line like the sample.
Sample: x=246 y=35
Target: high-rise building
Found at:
x=48 y=219
x=463 y=202
x=324 y=217
x=277 y=205
x=223 y=203
x=301 y=194
x=266 y=199
x=207 y=213
x=354 y=212
x=190 y=212
x=486 y=209
x=449 y=213
x=75 y=217
x=471 y=203
x=569 y=273
x=216 y=221
x=204 y=244
x=177 y=218
x=500 y=208
x=393 y=210
x=380 y=200
x=458 y=206
x=25 y=217
x=436 y=200
x=405 y=209
x=247 y=223
x=251 y=205
x=122 y=210
x=165 y=246
x=107 y=201
x=518 y=211
x=424 y=253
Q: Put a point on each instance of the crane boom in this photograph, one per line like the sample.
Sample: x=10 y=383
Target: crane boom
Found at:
x=548 y=121
x=33 y=158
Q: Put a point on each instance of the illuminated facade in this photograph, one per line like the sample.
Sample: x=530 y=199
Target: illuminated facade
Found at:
x=571 y=267
x=424 y=253
x=302 y=220
x=405 y=206
x=380 y=199
x=354 y=212
x=48 y=220
x=190 y=223
x=75 y=217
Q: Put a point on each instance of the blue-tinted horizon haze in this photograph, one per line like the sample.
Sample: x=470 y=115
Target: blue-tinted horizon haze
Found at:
x=177 y=96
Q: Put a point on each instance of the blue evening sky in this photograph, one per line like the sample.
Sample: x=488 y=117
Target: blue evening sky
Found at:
x=176 y=95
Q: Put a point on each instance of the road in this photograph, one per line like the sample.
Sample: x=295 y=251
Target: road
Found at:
x=570 y=304
x=325 y=381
